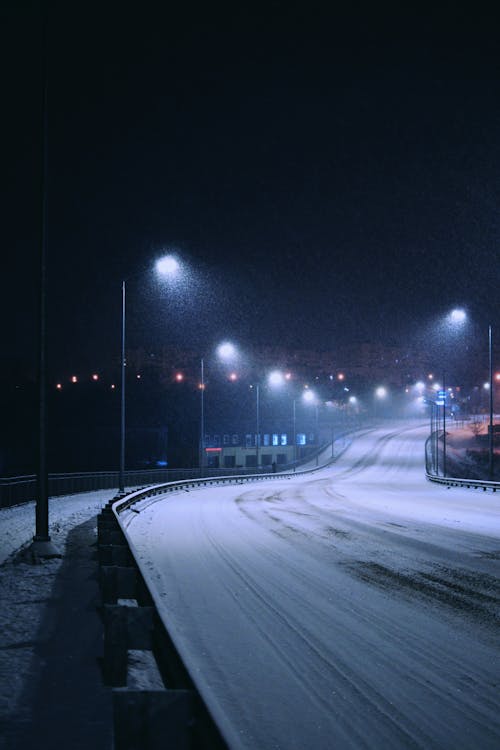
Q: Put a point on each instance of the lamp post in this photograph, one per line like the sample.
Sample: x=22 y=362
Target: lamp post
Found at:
x=168 y=265
x=444 y=426
x=225 y=352
x=42 y=546
x=257 y=436
x=490 y=442
x=310 y=398
x=202 y=414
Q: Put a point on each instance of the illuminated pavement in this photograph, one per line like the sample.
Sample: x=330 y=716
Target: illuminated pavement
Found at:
x=355 y=607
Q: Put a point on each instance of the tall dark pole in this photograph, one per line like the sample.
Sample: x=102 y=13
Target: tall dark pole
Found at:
x=317 y=433
x=122 y=405
x=444 y=427
x=491 y=454
x=42 y=545
x=333 y=431
x=202 y=416
x=294 y=433
x=257 y=437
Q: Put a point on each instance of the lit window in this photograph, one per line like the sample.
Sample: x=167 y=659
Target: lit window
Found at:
x=283 y=440
x=266 y=440
x=275 y=439
x=301 y=438
x=248 y=440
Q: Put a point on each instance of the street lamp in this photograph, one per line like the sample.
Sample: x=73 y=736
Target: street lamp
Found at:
x=227 y=352
x=276 y=379
x=310 y=398
x=168 y=265
x=490 y=442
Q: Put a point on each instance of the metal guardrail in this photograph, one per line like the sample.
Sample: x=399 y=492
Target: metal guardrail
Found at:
x=430 y=462
x=458 y=482
x=22 y=489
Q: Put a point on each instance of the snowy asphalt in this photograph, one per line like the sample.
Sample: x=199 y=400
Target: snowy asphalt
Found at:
x=353 y=608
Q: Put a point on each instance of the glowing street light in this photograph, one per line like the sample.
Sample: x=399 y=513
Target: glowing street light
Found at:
x=457 y=316
x=276 y=378
x=167 y=266
x=226 y=352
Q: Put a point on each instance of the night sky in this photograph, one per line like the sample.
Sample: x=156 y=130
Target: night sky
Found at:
x=325 y=175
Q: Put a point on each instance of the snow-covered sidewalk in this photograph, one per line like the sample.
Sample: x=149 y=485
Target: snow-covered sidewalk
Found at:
x=33 y=595
x=17 y=524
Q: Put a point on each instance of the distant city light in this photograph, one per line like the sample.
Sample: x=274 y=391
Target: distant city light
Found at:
x=497 y=376
x=430 y=376
x=179 y=377
x=95 y=376
x=309 y=396
x=288 y=376
x=340 y=376
x=353 y=400
x=233 y=376
x=420 y=386
x=381 y=392
x=74 y=379
x=113 y=386
x=486 y=386
x=138 y=376
x=59 y=386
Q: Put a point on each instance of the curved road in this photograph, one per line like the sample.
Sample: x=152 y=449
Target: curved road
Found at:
x=356 y=607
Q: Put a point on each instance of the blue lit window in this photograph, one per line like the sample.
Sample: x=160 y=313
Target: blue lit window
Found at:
x=301 y=438
x=266 y=440
x=275 y=439
x=283 y=440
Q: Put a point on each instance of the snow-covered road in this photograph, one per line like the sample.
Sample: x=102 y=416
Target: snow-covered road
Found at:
x=356 y=607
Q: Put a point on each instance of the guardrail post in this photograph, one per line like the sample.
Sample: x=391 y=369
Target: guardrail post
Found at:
x=153 y=719
x=126 y=626
x=118 y=583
